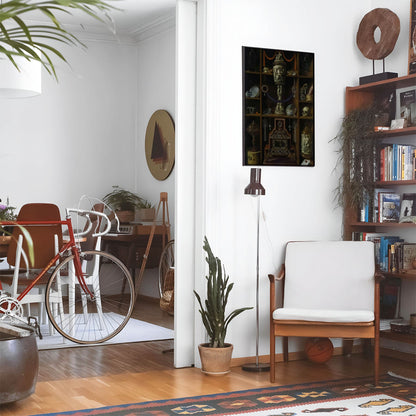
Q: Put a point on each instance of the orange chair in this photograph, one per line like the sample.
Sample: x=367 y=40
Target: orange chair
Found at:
x=47 y=239
x=330 y=290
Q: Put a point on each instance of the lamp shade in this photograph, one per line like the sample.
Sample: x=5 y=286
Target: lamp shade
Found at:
x=255 y=187
x=25 y=82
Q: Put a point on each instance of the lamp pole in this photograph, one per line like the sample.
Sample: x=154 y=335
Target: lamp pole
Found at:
x=256 y=189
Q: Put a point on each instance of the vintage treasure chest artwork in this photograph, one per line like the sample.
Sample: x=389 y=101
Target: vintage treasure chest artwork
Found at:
x=278 y=107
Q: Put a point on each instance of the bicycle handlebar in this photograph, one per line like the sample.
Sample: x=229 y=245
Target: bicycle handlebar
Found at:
x=87 y=214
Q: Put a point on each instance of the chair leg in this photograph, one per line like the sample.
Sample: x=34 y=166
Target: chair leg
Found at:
x=376 y=359
x=272 y=356
x=285 y=349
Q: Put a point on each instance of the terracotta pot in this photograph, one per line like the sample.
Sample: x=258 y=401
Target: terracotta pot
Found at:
x=215 y=361
x=146 y=214
x=125 y=216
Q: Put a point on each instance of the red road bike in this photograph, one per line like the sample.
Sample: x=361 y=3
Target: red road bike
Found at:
x=89 y=295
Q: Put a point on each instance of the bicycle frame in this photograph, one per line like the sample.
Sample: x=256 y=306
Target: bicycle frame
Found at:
x=70 y=245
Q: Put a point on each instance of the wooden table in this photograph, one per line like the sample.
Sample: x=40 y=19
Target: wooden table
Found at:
x=131 y=248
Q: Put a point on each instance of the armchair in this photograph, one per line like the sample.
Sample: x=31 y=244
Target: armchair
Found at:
x=330 y=289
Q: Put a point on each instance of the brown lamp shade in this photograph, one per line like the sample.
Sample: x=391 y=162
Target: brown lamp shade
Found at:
x=255 y=187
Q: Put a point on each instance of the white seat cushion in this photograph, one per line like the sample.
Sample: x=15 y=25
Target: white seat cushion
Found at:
x=323 y=315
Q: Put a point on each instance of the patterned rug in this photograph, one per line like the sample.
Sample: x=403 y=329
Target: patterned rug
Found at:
x=348 y=397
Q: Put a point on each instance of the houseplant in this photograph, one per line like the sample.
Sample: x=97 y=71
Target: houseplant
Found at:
x=357 y=143
x=124 y=203
x=216 y=355
x=37 y=41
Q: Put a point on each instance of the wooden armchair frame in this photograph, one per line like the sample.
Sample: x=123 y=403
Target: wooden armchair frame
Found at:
x=300 y=328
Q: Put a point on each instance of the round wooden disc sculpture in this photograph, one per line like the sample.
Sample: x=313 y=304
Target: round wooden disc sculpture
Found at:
x=319 y=350
x=389 y=25
x=160 y=144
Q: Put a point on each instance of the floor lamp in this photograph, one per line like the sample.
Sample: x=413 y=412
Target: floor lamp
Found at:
x=256 y=189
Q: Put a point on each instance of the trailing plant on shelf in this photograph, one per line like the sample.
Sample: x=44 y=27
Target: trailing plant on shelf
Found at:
x=357 y=156
x=37 y=41
x=213 y=310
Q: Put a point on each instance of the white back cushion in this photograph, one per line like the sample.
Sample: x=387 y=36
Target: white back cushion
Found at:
x=335 y=275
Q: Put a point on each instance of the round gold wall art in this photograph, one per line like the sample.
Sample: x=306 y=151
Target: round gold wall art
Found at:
x=160 y=144
x=389 y=25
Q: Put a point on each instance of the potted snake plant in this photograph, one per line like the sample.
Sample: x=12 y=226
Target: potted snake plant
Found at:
x=216 y=354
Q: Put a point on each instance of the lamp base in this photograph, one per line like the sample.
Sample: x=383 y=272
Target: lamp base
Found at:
x=254 y=367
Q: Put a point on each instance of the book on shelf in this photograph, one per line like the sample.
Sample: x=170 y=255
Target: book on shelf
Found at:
x=408 y=208
x=401 y=255
x=389 y=207
x=397 y=162
x=408 y=256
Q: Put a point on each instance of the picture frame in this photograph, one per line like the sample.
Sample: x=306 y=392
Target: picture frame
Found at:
x=278 y=108
x=406 y=105
x=412 y=38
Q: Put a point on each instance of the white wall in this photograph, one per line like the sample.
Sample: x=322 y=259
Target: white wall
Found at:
x=155 y=91
x=78 y=136
x=299 y=200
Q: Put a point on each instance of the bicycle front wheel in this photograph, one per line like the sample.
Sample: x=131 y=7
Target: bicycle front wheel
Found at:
x=96 y=314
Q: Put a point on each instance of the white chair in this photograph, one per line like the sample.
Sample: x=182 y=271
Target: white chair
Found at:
x=330 y=289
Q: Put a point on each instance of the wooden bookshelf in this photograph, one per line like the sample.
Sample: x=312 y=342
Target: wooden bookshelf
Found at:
x=360 y=97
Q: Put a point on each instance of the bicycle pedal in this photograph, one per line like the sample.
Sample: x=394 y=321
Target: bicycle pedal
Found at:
x=35 y=325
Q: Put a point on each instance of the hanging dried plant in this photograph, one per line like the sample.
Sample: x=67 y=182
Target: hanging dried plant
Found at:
x=357 y=155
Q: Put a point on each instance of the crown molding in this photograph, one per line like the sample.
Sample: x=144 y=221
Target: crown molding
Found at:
x=134 y=35
x=154 y=28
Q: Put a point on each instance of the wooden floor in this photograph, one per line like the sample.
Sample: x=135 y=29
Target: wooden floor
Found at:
x=88 y=377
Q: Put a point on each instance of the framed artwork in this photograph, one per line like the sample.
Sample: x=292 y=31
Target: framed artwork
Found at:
x=412 y=38
x=278 y=107
x=160 y=144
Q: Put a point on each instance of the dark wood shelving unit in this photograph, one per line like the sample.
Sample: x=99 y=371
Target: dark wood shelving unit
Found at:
x=363 y=96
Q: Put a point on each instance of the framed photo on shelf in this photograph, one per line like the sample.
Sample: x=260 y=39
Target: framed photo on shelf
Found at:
x=412 y=38
x=406 y=105
x=408 y=208
x=278 y=107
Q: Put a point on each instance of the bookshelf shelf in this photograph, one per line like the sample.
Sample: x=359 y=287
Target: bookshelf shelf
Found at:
x=408 y=338
x=402 y=275
x=361 y=97
x=395 y=183
x=383 y=224
x=395 y=133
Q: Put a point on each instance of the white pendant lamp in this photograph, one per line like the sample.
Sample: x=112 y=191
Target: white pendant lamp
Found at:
x=22 y=83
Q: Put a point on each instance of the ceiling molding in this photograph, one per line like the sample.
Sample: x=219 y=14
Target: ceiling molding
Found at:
x=133 y=35
x=154 y=28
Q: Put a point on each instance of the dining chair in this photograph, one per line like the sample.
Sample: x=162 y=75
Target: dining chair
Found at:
x=330 y=289
x=46 y=240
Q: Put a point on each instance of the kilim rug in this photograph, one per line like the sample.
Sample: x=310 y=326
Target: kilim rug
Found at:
x=348 y=397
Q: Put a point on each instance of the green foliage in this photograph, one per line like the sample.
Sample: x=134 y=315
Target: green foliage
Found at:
x=122 y=200
x=357 y=154
x=7 y=212
x=32 y=41
x=218 y=290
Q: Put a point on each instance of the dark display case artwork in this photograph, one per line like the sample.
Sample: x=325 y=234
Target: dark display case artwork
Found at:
x=278 y=107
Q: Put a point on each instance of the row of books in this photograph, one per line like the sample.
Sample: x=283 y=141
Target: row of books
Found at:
x=389 y=206
x=392 y=253
x=397 y=162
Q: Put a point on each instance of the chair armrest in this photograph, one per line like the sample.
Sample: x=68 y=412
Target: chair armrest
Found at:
x=279 y=276
x=273 y=278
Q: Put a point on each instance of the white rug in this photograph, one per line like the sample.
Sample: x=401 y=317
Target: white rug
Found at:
x=134 y=331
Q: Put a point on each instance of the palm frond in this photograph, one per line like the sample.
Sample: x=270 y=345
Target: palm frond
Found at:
x=19 y=38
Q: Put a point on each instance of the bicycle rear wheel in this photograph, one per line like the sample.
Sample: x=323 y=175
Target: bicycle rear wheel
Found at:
x=166 y=263
x=84 y=319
